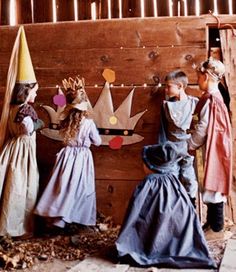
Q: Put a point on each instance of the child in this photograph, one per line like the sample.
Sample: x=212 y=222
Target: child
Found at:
x=19 y=177
x=213 y=131
x=70 y=194
x=176 y=119
x=161 y=227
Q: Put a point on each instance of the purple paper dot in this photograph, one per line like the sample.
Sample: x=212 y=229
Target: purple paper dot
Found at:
x=59 y=100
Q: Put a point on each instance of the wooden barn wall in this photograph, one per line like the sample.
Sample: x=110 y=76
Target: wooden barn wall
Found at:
x=141 y=52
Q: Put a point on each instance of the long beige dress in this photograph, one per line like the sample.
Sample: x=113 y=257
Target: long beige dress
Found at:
x=19 y=178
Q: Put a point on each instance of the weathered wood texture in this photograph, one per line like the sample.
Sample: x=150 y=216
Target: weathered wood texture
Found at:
x=139 y=51
x=65 y=10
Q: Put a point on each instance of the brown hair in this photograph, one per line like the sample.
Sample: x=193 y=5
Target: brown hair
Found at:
x=21 y=92
x=71 y=125
x=177 y=76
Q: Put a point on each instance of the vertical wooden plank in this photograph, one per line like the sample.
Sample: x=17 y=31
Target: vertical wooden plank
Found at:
x=115 y=9
x=24 y=11
x=131 y=8
x=149 y=8
x=65 y=10
x=5 y=12
x=84 y=9
x=43 y=11
x=103 y=9
x=205 y=6
x=0 y=11
x=178 y=8
x=162 y=8
x=234 y=6
x=223 y=6
x=191 y=7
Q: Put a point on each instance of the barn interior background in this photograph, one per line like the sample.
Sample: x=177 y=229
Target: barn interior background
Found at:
x=141 y=40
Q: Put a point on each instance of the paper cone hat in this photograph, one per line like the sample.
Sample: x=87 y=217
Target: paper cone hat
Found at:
x=25 y=73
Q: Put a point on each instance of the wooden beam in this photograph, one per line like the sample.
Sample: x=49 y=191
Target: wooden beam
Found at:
x=103 y=9
x=234 y=7
x=43 y=11
x=65 y=10
x=191 y=8
x=149 y=8
x=162 y=8
x=84 y=9
x=115 y=10
x=205 y=6
x=24 y=12
x=131 y=8
x=5 y=12
x=223 y=6
x=178 y=8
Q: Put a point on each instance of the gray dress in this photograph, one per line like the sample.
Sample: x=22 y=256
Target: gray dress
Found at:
x=176 y=119
x=70 y=194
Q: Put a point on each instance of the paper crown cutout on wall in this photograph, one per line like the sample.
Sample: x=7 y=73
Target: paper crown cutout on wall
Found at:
x=25 y=72
x=116 y=128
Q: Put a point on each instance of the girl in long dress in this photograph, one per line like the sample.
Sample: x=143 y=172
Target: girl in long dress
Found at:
x=19 y=177
x=70 y=195
x=161 y=227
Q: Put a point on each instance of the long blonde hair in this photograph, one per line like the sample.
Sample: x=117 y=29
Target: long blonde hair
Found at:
x=70 y=126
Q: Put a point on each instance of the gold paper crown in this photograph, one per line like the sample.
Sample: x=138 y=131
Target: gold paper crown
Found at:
x=73 y=84
x=25 y=73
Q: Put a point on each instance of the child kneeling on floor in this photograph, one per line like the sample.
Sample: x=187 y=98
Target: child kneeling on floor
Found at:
x=161 y=227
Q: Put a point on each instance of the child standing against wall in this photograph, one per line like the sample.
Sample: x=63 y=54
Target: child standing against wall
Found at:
x=19 y=177
x=176 y=119
x=213 y=133
x=70 y=194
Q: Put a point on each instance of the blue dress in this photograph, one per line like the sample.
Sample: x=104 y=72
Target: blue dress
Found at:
x=70 y=194
x=161 y=227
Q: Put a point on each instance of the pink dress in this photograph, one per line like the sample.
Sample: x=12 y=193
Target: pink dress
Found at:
x=70 y=194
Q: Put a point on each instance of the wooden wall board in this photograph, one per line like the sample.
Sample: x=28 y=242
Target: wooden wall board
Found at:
x=112 y=199
x=126 y=33
x=132 y=66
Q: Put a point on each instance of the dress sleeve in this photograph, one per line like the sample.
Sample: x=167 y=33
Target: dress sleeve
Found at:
x=199 y=134
x=27 y=126
x=94 y=135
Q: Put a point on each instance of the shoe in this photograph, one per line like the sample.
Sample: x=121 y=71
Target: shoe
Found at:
x=211 y=235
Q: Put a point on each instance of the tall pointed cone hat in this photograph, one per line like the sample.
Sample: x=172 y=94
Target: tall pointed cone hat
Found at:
x=21 y=71
x=25 y=73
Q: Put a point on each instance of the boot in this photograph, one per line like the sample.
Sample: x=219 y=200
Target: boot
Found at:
x=209 y=217
x=217 y=221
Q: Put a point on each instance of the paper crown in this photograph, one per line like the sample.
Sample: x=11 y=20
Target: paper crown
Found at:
x=73 y=84
x=25 y=73
x=119 y=123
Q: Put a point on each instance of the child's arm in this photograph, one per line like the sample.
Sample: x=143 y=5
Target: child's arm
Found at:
x=26 y=126
x=198 y=137
x=94 y=135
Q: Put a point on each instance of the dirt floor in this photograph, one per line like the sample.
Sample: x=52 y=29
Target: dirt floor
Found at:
x=61 y=251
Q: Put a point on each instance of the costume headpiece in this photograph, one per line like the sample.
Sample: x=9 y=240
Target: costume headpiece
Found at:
x=25 y=73
x=213 y=67
x=20 y=71
x=73 y=84
x=160 y=155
